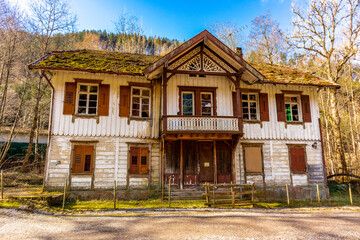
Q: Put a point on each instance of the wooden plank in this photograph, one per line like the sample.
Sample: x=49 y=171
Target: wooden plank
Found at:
x=181 y=165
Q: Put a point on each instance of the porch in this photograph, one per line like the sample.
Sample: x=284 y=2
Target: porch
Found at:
x=189 y=161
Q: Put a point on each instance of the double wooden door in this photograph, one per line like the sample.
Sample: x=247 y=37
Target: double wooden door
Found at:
x=206 y=161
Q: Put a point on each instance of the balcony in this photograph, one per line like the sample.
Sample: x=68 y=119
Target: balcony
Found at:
x=199 y=124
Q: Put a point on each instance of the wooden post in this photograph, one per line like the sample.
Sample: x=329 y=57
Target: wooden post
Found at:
x=162 y=169
x=215 y=164
x=318 y=194
x=213 y=195
x=287 y=195
x=252 y=194
x=232 y=195
x=64 y=196
x=181 y=165
x=206 y=193
x=169 y=197
x=2 y=184
x=114 y=194
x=350 y=194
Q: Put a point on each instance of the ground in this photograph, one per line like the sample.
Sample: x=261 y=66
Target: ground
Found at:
x=300 y=223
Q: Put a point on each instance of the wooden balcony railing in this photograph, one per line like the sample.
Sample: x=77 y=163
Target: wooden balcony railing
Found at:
x=202 y=123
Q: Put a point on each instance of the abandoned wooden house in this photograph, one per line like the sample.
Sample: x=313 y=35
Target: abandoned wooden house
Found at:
x=198 y=114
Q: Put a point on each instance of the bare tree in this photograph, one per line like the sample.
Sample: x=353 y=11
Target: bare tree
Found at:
x=48 y=18
x=228 y=33
x=266 y=38
x=330 y=31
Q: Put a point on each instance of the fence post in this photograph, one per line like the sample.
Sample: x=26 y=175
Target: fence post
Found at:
x=213 y=195
x=64 y=196
x=206 y=193
x=232 y=195
x=169 y=198
x=252 y=194
x=350 y=194
x=114 y=194
x=287 y=195
x=318 y=194
x=2 y=184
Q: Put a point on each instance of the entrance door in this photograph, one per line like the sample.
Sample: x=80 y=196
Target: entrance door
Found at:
x=206 y=161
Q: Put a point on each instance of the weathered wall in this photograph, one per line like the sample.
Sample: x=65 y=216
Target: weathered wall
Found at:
x=111 y=125
x=277 y=165
x=105 y=169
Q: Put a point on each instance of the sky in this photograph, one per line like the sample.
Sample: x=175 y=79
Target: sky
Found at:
x=179 y=20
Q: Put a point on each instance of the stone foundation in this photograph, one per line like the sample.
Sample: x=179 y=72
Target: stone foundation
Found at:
x=308 y=192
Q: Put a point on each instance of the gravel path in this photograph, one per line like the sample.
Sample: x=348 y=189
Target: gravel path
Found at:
x=196 y=224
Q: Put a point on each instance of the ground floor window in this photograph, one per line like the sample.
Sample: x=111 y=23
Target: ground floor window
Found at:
x=297 y=159
x=253 y=159
x=139 y=160
x=83 y=158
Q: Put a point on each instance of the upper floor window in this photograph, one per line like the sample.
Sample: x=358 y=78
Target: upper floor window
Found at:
x=188 y=103
x=140 y=102
x=207 y=103
x=250 y=106
x=200 y=101
x=292 y=108
x=87 y=97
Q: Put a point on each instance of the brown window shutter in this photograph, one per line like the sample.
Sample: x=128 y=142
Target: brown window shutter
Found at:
x=124 y=106
x=280 y=107
x=297 y=159
x=144 y=161
x=134 y=160
x=69 y=98
x=234 y=104
x=104 y=96
x=77 y=159
x=264 y=107
x=305 y=102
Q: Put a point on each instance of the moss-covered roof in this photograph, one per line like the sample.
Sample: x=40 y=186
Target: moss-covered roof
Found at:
x=133 y=64
x=280 y=74
x=95 y=61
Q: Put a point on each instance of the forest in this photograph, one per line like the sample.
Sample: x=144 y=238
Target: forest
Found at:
x=324 y=41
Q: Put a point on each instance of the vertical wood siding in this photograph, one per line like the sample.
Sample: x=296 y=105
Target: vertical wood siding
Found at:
x=111 y=125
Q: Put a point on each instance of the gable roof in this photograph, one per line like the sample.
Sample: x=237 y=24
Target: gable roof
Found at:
x=95 y=61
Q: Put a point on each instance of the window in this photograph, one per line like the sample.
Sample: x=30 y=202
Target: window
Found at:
x=140 y=102
x=139 y=160
x=199 y=101
x=253 y=159
x=188 y=103
x=292 y=108
x=87 y=97
x=206 y=103
x=297 y=159
x=250 y=106
x=83 y=159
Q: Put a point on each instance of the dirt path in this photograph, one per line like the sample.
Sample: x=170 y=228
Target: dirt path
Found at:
x=248 y=224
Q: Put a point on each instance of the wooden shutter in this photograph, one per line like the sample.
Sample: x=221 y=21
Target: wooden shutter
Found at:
x=69 y=98
x=264 y=107
x=124 y=106
x=280 y=107
x=297 y=159
x=134 y=160
x=144 y=161
x=305 y=102
x=234 y=104
x=253 y=160
x=83 y=159
x=103 y=104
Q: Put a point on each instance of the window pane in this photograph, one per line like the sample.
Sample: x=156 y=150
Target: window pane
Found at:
x=287 y=112
x=145 y=92
x=294 y=99
x=246 y=116
x=253 y=116
x=134 y=160
x=188 y=111
x=145 y=114
x=81 y=110
x=87 y=163
x=83 y=97
x=252 y=97
x=135 y=113
x=206 y=110
x=145 y=101
x=206 y=96
x=135 y=106
x=244 y=97
x=145 y=107
x=206 y=104
x=136 y=91
x=136 y=100
x=245 y=104
x=92 y=110
x=83 y=88
x=93 y=97
x=92 y=104
x=252 y=110
x=246 y=110
x=82 y=103
x=93 y=89
x=143 y=160
x=253 y=104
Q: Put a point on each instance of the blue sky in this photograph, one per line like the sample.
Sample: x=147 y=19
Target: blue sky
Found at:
x=177 y=19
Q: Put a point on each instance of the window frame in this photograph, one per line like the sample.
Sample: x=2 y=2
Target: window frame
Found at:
x=77 y=97
x=193 y=102
x=197 y=103
x=257 y=101
x=140 y=102
x=299 y=104
x=212 y=103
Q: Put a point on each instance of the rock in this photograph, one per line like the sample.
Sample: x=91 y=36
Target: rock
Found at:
x=27 y=207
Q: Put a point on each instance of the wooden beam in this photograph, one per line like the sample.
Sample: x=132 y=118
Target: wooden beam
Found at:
x=215 y=163
x=218 y=56
x=181 y=166
x=164 y=98
x=201 y=73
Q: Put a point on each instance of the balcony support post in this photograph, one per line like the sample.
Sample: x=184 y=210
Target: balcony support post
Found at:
x=164 y=82
x=181 y=165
